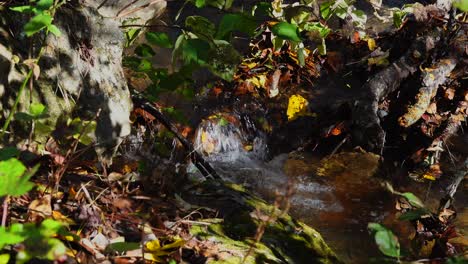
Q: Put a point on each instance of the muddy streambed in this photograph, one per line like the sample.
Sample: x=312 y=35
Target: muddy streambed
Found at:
x=338 y=195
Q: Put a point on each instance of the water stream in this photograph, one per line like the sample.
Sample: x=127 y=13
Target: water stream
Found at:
x=338 y=205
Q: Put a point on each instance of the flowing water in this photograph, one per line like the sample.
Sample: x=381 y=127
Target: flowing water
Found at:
x=339 y=201
x=338 y=206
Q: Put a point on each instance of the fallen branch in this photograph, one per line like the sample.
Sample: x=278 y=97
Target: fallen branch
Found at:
x=197 y=159
x=432 y=78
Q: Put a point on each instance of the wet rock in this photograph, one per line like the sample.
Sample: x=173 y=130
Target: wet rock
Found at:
x=230 y=237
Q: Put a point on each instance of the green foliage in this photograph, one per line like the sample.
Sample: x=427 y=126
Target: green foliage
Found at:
x=122 y=247
x=236 y=22
x=159 y=39
x=14 y=178
x=461 y=4
x=36 y=111
x=413 y=214
x=43 y=11
x=286 y=31
x=82 y=130
x=220 y=4
x=385 y=239
x=39 y=241
x=145 y=51
x=8 y=152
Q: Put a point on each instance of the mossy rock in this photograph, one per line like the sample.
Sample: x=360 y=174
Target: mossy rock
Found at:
x=230 y=238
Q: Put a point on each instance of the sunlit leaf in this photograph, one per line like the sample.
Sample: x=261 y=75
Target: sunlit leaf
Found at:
x=286 y=31
x=37 y=23
x=297 y=106
x=44 y=4
x=386 y=241
x=155 y=250
x=10 y=237
x=413 y=199
x=461 y=4
x=23 y=9
x=4 y=258
x=55 y=30
x=14 y=180
x=37 y=109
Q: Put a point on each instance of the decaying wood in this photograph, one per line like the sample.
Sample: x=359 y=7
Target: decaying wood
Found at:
x=432 y=78
x=366 y=124
x=202 y=165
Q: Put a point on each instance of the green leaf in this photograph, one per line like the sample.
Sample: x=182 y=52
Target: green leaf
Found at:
x=200 y=3
x=398 y=17
x=44 y=4
x=22 y=9
x=7 y=237
x=262 y=9
x=131 y=35
x=461 y=4
x=144 y=66
x=236 y=22
x=144 y=50
x=8 y=152
x=196 y=51
x=386 y=241
x=159 y=39
x=200 y=26
x=37 y=23
x=4 y=258
x=54 y=30
x=413 y=214
x=286 y=31
x=50 y=227
x=413 y=199
x=325 y=10
x=317 y=27
x=122 y=247
x=301 y=56
x=37 y=109
x=375 y=227
x=12 y=181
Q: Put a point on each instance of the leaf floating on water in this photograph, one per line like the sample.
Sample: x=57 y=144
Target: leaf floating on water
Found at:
x=297 y=106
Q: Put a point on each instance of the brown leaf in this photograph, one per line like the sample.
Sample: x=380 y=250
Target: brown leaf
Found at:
x=40 y=208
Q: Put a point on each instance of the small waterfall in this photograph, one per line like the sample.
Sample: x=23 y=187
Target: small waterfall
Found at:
x=235 y=159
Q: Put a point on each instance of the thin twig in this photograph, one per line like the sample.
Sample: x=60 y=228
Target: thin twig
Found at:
x=5 y=210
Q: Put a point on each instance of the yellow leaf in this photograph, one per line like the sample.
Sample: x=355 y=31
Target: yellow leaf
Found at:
x=207 y=143
x=56 y=215
x=429 y=177
x=178 y=242
x=155 y=251
x=258 y=81
x=297 y=106
x=371 y=43
x=153 y=245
